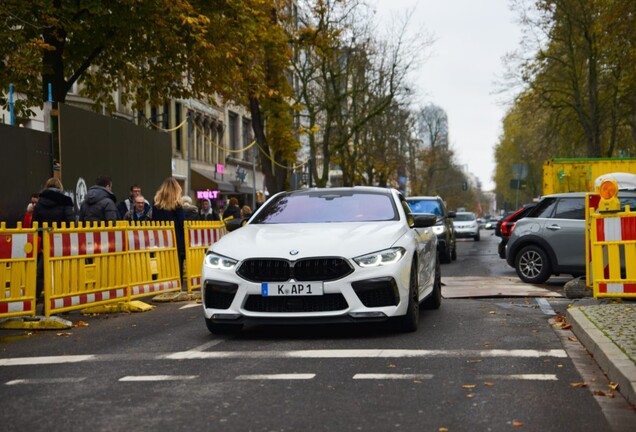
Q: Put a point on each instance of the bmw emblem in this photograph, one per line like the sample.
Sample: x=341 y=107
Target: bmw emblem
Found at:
x=293 y=252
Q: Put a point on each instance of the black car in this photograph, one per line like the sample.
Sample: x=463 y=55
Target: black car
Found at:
x=444 y=228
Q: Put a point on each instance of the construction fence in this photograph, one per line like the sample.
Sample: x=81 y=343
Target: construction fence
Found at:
x=82 y=266
x=611 y=250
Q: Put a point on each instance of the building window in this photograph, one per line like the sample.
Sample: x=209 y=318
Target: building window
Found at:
x=234 y=125
x=247 y=139
x=165 y=120
x=177 y=121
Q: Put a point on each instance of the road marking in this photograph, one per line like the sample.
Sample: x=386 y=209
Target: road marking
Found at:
x=26 y=361
x=527 y=377
x=368 y=353
x=188 y=306
x=136 y=378
x=291 y=376
x=199 y=353
x=44 y=381
x=393 y=376
x=545 y=306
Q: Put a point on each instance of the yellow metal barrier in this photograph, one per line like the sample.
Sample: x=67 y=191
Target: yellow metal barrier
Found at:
x=153 y=257
x=84 y=266
x=199 y=235
x=18 y=262
x=612 y=245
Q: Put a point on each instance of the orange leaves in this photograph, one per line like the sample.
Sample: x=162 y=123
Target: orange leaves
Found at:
x=578 y=385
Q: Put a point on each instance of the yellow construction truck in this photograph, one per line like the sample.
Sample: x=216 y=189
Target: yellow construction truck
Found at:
x=578 y=174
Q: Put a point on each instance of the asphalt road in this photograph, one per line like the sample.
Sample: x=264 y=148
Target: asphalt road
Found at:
x=476 y=364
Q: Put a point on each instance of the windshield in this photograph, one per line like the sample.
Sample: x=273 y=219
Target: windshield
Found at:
x=464 y=217
x=425 y=206
x=327 y=206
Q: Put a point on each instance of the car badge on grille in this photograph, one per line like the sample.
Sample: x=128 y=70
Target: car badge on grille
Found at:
x=293 y=252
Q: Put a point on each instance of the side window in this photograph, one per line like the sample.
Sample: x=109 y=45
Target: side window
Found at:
x=570 y=208
x=544 y=209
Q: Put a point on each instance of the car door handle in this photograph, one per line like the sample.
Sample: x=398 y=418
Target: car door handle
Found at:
x=554 y=227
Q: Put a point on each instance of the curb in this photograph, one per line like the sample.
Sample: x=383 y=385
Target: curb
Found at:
x=619 y=368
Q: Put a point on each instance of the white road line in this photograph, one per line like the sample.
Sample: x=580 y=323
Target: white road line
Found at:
x=545 y=306
x=368 y=353
x=44 y=381
x=292 y=376
x=26 y=361
x=136 y=378
x=188 y=306
x=527 y=377
x=393 y=376
x=207 y=345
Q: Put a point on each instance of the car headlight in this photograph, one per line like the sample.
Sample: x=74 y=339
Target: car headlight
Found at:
x=439 y=229
x=219 y=262
x=384 y=257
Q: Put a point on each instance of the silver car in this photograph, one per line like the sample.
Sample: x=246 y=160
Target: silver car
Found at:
x=550 y=239
x=466 y=225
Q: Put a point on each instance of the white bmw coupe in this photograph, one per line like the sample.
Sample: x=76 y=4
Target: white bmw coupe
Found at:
x=324 y=256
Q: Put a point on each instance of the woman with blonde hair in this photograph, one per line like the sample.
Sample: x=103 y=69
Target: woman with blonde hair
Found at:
x=168 y=207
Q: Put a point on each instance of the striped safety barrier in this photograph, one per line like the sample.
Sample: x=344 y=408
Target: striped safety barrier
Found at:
x=153 y=258
x=84 y=265
x=18 y=263
x=199 y=235
x=612 y=244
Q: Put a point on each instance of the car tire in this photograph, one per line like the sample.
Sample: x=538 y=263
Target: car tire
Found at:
x=477 y=237
x=454 y=251
x=408 y=323
x=532 y=265
x=445 y=254
x=223 y=329
x=434 y=301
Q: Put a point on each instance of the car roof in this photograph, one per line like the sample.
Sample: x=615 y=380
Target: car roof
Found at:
x=424 y=197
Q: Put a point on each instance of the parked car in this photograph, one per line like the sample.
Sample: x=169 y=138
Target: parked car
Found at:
x=550 y=239
x=466 y=225
x=505 y=225
x=324 y=255
x=446 y=237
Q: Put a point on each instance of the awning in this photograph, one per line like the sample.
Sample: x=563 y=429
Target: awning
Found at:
x=248 y=190
x=203 y=179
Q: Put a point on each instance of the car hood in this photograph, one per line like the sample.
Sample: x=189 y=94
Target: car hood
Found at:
x=336 y=239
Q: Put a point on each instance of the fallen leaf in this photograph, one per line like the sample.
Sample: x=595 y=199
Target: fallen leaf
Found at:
x=417 y=381
x=470 y=395
x=64 y=334
x=613 y=386
x=469 y=386
x=517 y=423
x=487 y=344
x=442 y=429
x=492 y=312
x=578 y=385
x=80 y=324
x=474 y=361
x=566 y=327
x=599 y=393
x=489 y=384
x=573 y=339
x=391 y=366
x=559 y=318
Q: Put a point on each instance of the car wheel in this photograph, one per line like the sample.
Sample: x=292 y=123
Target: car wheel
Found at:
x=477 y=237
x=434 y=301
x=408 y=323
x=445 y=254
x=223 y=329
x=501 y=249
x=532 y=265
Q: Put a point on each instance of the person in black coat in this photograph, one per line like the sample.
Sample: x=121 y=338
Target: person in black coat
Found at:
x=168 y=207
x=99 y=204
x=207 y=212
x=54 y=208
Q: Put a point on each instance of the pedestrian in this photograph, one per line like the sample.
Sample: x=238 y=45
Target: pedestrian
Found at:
x=54 y=208
x=126 y=205
x=207 y=212
x=190 y=211
x=167 y=207
x=140 y=212
x=246 y=212
x=233 y=210
x=260 y=199
x=27 y=220
x=99 y=204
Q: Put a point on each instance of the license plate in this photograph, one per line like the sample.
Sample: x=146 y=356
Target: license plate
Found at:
x=271 y=289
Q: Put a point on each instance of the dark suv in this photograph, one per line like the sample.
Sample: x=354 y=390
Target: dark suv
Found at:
x=444 y=229
x=550 y=239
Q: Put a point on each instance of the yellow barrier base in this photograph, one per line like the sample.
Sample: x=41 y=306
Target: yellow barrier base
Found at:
x=35 y=323
x=177 y=297
x=131 y=306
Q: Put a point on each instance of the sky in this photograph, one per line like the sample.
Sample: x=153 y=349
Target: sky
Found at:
x=462 y=70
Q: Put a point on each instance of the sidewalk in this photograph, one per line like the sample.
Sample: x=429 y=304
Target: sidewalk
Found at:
x=608 y=332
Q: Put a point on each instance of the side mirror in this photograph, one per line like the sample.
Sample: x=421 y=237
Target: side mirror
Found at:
x=424 y=220
x=233 y=224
